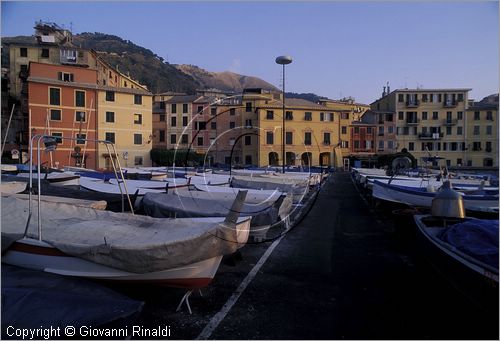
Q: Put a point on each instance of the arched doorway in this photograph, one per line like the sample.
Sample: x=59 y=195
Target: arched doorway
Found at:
x=306 y=158
x=273 y=159
x=324 y=159
x=290 y=158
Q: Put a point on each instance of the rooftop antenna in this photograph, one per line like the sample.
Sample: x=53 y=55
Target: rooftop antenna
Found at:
x=71 y=27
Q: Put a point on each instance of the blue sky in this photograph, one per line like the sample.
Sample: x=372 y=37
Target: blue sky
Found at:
x=338 y=48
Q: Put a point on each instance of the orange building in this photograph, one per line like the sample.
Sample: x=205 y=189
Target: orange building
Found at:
x=62 y=103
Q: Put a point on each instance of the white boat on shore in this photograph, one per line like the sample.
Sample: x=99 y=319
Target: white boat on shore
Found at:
x=84 y=242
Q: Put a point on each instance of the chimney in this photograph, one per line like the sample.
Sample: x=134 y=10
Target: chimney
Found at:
x=383 y=93
x=388 y=88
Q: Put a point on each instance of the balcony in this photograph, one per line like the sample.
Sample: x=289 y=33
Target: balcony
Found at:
x=412 y=121
x=430 y=136
x=450 y=122
x=450 y=103
x=412 y=103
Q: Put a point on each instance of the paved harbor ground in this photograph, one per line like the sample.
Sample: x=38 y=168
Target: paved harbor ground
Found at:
x=342 y=273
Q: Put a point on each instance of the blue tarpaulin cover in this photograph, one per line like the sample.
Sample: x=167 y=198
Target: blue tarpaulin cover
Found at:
x=476 y=237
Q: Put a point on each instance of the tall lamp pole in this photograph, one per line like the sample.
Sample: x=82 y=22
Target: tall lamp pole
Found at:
x=283 y=60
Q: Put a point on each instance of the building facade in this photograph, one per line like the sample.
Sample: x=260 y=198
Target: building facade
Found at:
x=62 y=103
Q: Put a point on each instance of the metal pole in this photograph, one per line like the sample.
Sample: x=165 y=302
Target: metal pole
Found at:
x=283 y=128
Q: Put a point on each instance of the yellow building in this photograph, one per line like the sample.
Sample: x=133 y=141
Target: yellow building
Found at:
x=125 y=117
x=310 y=131
x=435 y=122
x=481 y=130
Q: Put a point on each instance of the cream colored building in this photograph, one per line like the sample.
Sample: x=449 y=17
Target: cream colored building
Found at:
x=482 y=135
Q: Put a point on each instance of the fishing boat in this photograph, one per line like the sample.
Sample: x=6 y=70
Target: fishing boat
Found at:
x=465 y=251
x=83 y=242
x=420 y=197
x=60 y=178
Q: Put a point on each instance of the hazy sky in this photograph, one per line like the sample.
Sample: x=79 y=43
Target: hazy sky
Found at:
x=338 y=48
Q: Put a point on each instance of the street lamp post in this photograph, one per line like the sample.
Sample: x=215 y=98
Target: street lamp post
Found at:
x=283 y=60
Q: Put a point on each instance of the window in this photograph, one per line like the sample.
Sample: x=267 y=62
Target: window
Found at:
x=460 y=97
x=213 y=111
x=424 y=97
x=269 y=137
x=23 y=51
x=476 y=130
x=390 y=144
x=248 y=123
x=453 y=146
x=406 y=130
x=344 y=130
x=307 y=138
x=248 y=140
x=411 y=146
x=389 y=117
x=381 y=145
x=356 y=144
x=55 y=115
x=202 y=125
x=344 y=115
x=401 y=98
x=184 y=121
x=213 y=125
x=184 y=139
x=380 y=130
x=356 y=130
x=174 y=108
x=440 y=98
x=489 y=116
x=24 y=68
x=232 y=111
x=476 y=146
x=477 y=115
x=344 y=144
x=459 y=130
x=110 y=96
x=448 y=130
x=199 y=109
x=460 y=115
x=200 y=141
x=79 y=98
x=162 y=117
x=81 y=138
x=489 y=130
x=137 y=118
x=173 y=121
x=326 y=138
x=138 y=161
x=58 y=137
x=401 y=115
x=110 y=137
x=248 y=107
x=184 y=108
x=232 y=125
x=424 y=115
x=288 y=137
x=289 y=115
x=45 y=53
x=390 y=129
x=459 y=162
x=322 y=116
x=80 y=116
x=137 y=99
x=65 y=77
x=368 y=130
x=435 y=115
x=488 y=146
x=173 y=139
x=110 y=116
x=445 y=146
x=248 y=159
x=162 y=136
x=137 y=138
x=270 y=115
x=55 y=96
x=307 y=116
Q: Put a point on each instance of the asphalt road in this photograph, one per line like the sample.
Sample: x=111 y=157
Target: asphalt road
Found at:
x=342 y=273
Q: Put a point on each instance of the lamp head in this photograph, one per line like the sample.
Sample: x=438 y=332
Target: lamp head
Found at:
x=283 y=60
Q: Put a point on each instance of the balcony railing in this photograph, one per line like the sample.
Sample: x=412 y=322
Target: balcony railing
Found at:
x=412 y=121
x=326 y=143
x=450 y=122
x=430 y=136
x=413 y=103
x=450 y=103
